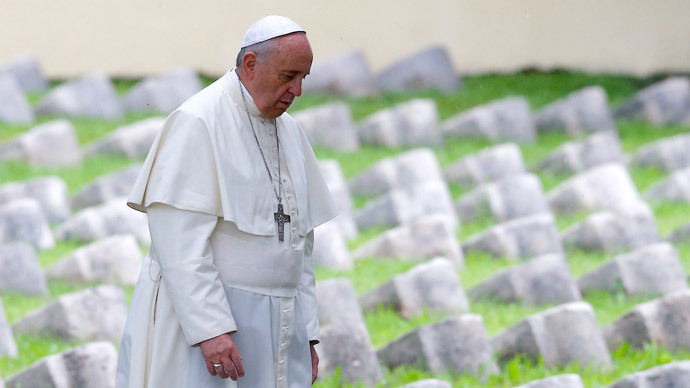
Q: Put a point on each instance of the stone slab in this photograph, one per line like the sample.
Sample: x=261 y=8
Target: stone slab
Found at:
x=670 y=375
x=90 y=365
x=520 y=238
x=428 y=383
x=162 y=93
x=490 y=164
x=348 y=348
x=106 y=188
x=132 y=141
x=664 y=321
x=51 y=144
x=330 y=126
x=24 y=220
x=27 y=72
x=650 y=270
x=344 y=74
x=541 y=280
x=561 y=335
x=584 y=110
x=605 y=187
x=8 y=346
x=667 y=154
x=613 y=232
x=50 y=192
x=680 y=234
x=401 y=206
x=458 y=344
x=674 y=188
x=433 y=286
x=20 y=270
x=503 y=200
x=110 y=218
x=559 y=381
x=579 y=155
x=14 y=107
x=337 y=303
x=340 y=192
x=429 y=68
x=664 y=102
x=411 y=123
x=92 y=314
x=404 y=170
x=92 y=95
x=422 y=238
x=114 y=259
x=508 y=119
x=330 y=247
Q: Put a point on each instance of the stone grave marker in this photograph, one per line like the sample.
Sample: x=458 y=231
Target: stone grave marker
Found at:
x=348 y=348
x=132 y=141
x=106 y=188
x=667 y=154
x=50 y=192
x=24 y=220
x=110 y=218
x=664 y=321
x=680 y=234
x=92 y=95
x=560 y=381
x=329 y=125
x=579 y=155
x=671 y=375
x=92 y=314
x=421 y=238
x=90 y=365
x=506 y=199
x=561 y=335
x=400 y=206
x=8 y=346
x=27 y=72
x=433 y=286
x=114 y=259
x=613 y=231
x=337 y=303
x=429 y=68
x=14 y=107
x=51 y=144
x=605 y=187
x=508 y=119
x=335 y=180
x=490 y=164
x=428 y=383
x=345 y=74
x=330 y=247
x=20 y=270
x=411 y=123
x=664 y=102
x=584 y=110
x=675 y=188
x=404 y=170
x=523 y=237
x=458 y=344
x=650 y=270
x=162 y=93
x=541 y=280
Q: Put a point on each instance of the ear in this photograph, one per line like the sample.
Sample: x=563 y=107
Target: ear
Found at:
x=249 y=64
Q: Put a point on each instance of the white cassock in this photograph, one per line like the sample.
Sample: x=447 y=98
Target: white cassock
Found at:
x=216 y=265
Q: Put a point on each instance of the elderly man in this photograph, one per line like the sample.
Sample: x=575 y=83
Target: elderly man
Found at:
x=233 y=192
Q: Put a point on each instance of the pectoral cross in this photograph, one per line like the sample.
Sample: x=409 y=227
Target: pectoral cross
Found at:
x=281 y=218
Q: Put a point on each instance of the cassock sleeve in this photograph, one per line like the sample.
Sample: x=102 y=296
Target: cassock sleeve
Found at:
x=180 y=241
x=307 y=290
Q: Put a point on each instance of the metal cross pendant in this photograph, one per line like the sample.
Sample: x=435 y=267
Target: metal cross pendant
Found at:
x=281 y=218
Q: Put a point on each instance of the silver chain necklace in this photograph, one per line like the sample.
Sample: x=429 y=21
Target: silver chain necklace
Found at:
x=280 y=217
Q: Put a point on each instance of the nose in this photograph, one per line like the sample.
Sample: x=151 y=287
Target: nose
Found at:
x=296 y=87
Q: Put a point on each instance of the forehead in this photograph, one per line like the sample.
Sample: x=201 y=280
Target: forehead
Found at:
x=293 y=52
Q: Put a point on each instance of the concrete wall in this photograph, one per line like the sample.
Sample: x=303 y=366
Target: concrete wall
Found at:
x=137 y=37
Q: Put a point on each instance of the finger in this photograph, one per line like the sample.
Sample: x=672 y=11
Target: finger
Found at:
x=314 y=372
x=223 y=370
x=230 y=368
x=210 y=368
x=237 y=361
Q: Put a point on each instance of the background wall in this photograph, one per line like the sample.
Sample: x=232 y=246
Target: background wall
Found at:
x=138 y=37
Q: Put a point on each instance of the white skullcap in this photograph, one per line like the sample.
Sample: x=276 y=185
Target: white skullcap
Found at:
x=269 y=27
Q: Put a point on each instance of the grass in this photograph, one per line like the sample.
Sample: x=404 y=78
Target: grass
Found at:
x=385 y=325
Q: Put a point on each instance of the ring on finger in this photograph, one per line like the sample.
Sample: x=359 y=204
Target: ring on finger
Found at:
x=217 y=365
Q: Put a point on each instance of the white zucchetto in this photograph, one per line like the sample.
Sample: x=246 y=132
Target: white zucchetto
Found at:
x=269 y=27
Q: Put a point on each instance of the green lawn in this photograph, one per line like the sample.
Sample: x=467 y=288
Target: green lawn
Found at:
x=385 y=325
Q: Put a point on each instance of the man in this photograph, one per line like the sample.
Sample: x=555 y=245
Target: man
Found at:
x=233 y=192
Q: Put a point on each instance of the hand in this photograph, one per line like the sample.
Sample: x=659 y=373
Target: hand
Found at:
x=222 y=350
x=314 y=362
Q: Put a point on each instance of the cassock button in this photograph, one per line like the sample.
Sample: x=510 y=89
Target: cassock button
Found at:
x=294 y=246
x=289 y=196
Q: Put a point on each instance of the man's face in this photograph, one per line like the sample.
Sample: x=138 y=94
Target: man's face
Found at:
x=277 y=79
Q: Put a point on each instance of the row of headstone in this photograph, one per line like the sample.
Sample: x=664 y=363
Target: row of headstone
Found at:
x=665 y=102
x=349 y=74
x=17 y=77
